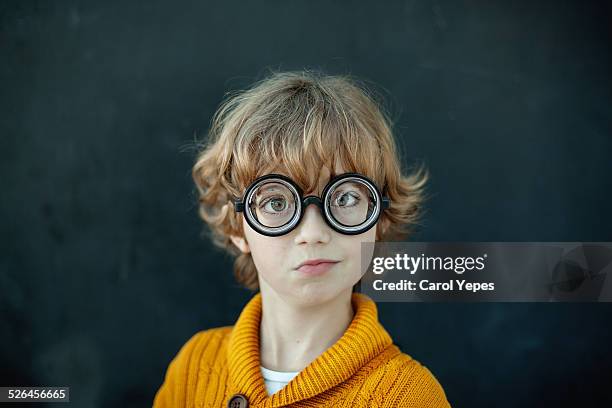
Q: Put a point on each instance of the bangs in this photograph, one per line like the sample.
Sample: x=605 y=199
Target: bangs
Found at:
x=299 y=134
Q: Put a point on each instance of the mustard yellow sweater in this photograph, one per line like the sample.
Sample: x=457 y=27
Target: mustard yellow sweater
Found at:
x=221 y=368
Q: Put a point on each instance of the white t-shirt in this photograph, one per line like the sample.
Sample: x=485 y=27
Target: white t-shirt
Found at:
x=275 y=380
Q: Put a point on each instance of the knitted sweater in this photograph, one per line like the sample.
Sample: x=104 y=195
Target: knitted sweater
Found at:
x=362 y=369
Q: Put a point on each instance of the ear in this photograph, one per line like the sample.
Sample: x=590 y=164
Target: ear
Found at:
x=241 y=243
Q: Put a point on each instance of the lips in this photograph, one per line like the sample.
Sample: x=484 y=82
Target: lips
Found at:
x=316 y=262
x=315 y=267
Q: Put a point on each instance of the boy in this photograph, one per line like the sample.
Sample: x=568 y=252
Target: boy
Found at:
x=306 y=339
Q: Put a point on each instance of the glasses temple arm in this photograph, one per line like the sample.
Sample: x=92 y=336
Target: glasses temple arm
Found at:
x=238 y=205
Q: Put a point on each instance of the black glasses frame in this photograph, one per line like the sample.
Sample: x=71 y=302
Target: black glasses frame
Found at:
x=382 y=202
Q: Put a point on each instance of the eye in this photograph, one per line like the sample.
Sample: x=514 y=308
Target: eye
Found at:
x=274 y=205
x=347 y=199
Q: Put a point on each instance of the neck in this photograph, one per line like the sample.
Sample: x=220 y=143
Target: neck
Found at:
x=293 y=335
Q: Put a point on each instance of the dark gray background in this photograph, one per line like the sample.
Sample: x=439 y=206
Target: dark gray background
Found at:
x=103 y=273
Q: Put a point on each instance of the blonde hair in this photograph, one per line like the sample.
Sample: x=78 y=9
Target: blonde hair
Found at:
x=299 y=121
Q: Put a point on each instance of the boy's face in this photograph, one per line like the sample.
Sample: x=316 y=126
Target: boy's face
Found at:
x=277 y=258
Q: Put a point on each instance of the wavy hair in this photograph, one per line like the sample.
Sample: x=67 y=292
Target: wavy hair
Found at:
x=299 y=121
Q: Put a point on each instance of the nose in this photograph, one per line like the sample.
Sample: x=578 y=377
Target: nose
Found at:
x=313 y=228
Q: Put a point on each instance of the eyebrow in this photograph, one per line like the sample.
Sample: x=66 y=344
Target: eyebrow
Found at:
x=270 y=188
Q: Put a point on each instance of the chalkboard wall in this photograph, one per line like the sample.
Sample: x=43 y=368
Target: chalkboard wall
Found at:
x=104 y=272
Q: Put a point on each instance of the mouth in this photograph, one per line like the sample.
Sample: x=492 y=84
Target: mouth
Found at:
x=316 y=266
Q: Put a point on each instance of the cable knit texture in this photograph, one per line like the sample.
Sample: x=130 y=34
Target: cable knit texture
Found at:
x=362 y=369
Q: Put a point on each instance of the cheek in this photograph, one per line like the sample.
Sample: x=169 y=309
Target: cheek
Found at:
x=356 y=240
x=266 y=251
x=354 y=250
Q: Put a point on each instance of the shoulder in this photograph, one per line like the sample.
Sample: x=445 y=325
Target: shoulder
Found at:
x=201 y=349
x=201 y=341
x=200 y=338
x=408 y=383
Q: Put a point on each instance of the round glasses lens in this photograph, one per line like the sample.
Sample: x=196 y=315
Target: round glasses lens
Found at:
x=273 y=204
x=351 y=203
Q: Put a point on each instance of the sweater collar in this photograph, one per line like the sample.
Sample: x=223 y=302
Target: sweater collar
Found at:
x=363 y=340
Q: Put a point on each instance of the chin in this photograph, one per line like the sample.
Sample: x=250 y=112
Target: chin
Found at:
x=311 y=294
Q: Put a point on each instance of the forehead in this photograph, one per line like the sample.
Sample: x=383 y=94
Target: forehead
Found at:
x=318 y=177
x=272 y=186
x=320 y=171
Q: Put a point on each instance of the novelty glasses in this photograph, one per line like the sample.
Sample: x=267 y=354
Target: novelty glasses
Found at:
x=274 y=205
